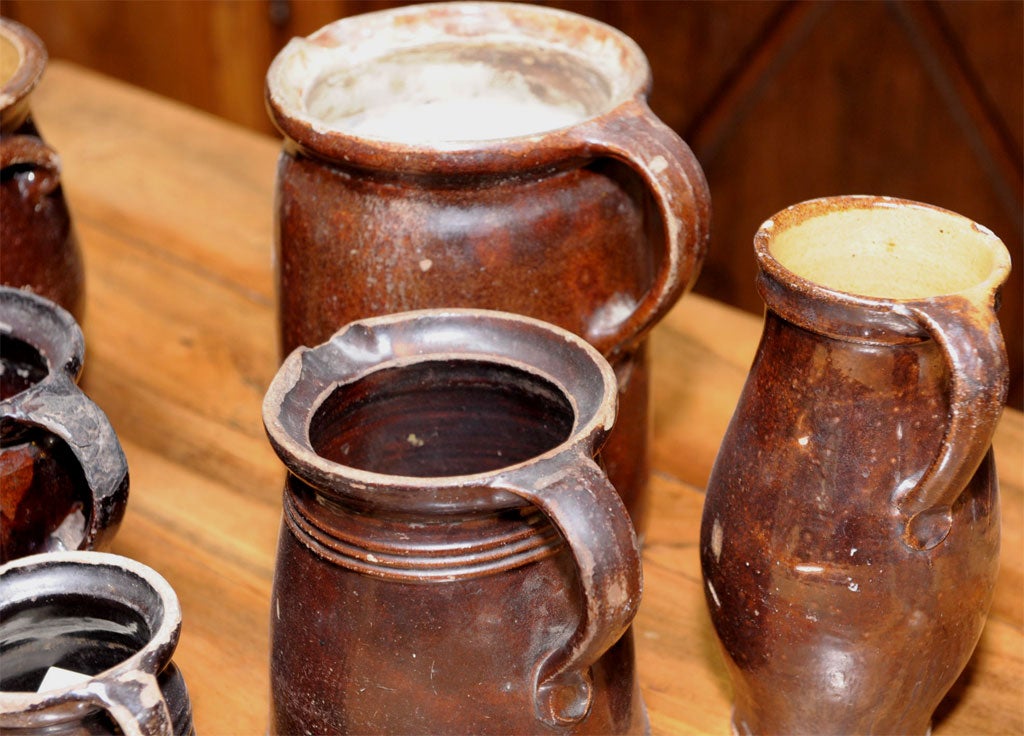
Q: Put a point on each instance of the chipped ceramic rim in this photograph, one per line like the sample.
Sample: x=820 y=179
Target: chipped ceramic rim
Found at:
x=150 y=659
x=32 y=62
x=351 y=43
x=394 y=341
x=768 y=235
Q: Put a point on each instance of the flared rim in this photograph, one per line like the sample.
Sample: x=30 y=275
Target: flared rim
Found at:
x=995 y=270
x=349 y=42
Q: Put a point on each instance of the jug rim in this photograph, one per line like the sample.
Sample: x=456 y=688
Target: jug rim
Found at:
x=32 y=58
x=821 y=306
x=155 y=654
x=305 y=61
x=309 y=376
x=44 y=325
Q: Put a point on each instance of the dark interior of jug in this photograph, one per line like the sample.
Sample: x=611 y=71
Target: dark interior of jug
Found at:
x=82 y=633
x=21 y=366
x=441 y=418
x=45 y=501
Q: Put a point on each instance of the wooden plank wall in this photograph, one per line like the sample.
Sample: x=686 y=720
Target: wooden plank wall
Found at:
x=780 y=100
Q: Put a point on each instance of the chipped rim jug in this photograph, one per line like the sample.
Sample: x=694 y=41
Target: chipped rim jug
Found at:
x=450 y=549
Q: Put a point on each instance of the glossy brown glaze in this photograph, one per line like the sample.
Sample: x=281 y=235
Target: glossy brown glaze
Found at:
x=452 y=559
x=112 y=621
x=850 y=535
x=594 y=218
x=63 y=475
x=40 y=250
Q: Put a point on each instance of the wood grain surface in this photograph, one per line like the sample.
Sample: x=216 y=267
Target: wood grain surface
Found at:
x=174 y=209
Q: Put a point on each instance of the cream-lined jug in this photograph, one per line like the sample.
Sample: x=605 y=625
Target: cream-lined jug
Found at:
x=850 y=534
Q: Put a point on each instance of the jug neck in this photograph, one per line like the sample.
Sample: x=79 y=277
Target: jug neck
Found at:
x=836 y=315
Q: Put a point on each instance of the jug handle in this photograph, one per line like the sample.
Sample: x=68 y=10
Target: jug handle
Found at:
x=672 y=174
x=28 y=150
x=133 y=699
x=57 y=405
x=967 y=332
x=580 y=501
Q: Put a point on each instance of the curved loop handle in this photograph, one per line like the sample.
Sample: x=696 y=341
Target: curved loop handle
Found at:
x=580 y=501
x=134 y=700
x=672 y=174
x=57 y=405
x=28 y=150
x=968 y=334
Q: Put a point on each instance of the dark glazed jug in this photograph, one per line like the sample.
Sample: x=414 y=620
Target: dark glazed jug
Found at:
x=496 y=156
x=452 y=559
x=851 y=528
x=111 y=625
x=38 y=248
x=63 y=475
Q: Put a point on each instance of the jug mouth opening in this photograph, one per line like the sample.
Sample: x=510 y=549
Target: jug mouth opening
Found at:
x=881 y=248
x=22 y=61
x=441 y=418
x=83 y=612
x=453 y=75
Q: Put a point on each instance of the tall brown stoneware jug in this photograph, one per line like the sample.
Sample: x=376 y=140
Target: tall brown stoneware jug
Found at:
x=850 y=535
x=496 y=156
x=38 y=246
x=452 y=558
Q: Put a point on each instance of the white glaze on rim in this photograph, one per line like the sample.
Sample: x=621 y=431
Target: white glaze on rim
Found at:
x=351 y=44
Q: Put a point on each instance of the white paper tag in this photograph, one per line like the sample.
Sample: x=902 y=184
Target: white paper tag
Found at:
x=58 y=677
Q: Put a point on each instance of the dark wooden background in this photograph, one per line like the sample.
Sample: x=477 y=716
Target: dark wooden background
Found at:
x=781 y=101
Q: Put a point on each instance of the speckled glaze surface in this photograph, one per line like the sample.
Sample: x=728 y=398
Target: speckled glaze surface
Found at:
x=850 y=536
x=40 y=250
x=63 y=475
x=111 y=620
x=452 y=559
x=495 y=156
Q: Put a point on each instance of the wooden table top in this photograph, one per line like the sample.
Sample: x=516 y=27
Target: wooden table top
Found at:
x=174 y=210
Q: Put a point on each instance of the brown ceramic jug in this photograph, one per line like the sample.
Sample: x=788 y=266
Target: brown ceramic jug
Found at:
x=87 y=639
x=63 y=475
x=487 y=155
x=452 y=559
x=850 y=535
x=38 y=248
